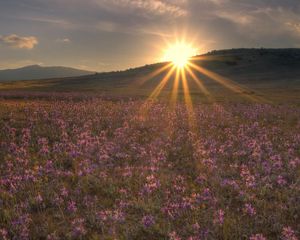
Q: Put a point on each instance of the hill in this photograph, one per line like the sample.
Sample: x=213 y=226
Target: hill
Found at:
x=38 y=72
x=257 y=73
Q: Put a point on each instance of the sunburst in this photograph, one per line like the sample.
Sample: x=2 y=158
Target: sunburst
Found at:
x=179 y=53
x=182 y=67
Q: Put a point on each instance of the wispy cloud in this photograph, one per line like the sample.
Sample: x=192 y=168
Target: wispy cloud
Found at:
x=63 y=40
x=294 y=26
x=154 y=7
x=16 y=41
x=237 y=17
x=107 y=26
x=47 y=20
x=264 y=20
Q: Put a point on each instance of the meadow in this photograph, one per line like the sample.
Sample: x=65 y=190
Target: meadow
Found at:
x=98 y=168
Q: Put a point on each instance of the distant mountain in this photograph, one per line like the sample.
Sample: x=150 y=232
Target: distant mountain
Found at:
x=38 y=72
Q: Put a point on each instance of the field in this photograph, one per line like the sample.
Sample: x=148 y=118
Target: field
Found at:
x=99 y=168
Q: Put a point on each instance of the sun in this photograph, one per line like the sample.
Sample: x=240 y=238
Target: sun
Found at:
x=179 y=54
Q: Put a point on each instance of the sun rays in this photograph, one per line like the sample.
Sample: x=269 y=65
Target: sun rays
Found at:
x=184 y=75
x=180 y=72
x=175 y=88
x=225 y=82
x=162 y=83
x=188 y=74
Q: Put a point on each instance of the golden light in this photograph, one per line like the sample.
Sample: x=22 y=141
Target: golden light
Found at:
x=182 y=68
x=179 y=54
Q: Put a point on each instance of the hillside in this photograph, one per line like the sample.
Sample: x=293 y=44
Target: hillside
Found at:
x=39 y=72
x=270 y=73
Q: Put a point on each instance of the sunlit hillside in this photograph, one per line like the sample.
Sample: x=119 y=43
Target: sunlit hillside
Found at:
x=273 y=74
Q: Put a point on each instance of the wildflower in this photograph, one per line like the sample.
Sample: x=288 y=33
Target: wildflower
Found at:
x=43 y=142
x=194 y=238
x=257 y=237
x=103 y=215
x=151 y=184
x=231 y=183
x=196 y=227
x=78 y=228
x=127 y=172
x=108 y=215
x=206 y=195
x=3 y=234
x=118 y=216
x=39 y=198
x=64 y=192
x=288 y=234
x=57 y=200
x=22 y=224
x=173 y=236
x=247 y=176
x=248 y=209
x=219 y=217
x=72 y=206
x=294 y=163
x=123 y=191
x=201 y=179
x=281 y=181
x=52 y=236
x=148 y=221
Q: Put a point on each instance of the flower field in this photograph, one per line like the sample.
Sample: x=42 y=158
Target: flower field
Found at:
x=96 y=168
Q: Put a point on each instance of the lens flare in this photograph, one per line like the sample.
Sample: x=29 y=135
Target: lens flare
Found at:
x=180 y=69
x=179 y=54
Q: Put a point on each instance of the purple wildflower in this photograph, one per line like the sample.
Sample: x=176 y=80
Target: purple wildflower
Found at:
x=78 y=228
x=219 y=217
x=248 y=209
x=148 y=221
x=257 y=237
x=288 y=234
x=72 y=206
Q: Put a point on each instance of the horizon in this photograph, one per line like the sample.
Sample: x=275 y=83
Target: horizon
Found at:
x=102 y=35
x=147 y=64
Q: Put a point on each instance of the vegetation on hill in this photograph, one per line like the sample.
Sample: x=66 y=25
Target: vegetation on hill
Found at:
x=268 y=73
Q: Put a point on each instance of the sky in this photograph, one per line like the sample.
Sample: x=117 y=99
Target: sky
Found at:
x=104 y=35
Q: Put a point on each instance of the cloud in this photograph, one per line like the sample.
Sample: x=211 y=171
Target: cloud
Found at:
x=264 y=21
x=56 y=21
x=153 y=7
x=107 y=26
x=294 y=26
x=16 y=41
x=63 y=40
x=246 y=23
x=237 y=17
